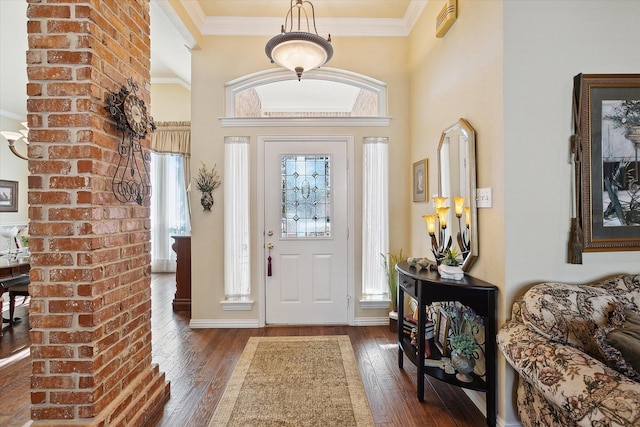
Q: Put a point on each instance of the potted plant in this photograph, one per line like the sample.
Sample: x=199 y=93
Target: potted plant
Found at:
x=464 y=325
x=390 y=260
x=449 y=267
x=206 y=182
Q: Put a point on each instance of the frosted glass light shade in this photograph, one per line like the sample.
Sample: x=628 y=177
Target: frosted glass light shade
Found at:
x=299 y=51
x=439 y=202
x=11 y=136
x=431 y=223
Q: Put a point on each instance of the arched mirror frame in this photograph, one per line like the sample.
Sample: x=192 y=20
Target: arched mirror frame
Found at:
x=457 y=164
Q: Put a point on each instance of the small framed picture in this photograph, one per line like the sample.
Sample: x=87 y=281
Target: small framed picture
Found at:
x=420 y=181
x=442 y=332
x=8 y=196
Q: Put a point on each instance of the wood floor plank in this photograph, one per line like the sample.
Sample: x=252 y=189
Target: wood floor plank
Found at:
x=199 y=362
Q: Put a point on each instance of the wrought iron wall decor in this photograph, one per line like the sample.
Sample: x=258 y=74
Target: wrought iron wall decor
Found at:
x=131 y=181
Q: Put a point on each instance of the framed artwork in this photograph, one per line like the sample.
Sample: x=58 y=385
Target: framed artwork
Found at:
x=420 y=181
x=8 y=196
x=441 y=336
x=607 y=161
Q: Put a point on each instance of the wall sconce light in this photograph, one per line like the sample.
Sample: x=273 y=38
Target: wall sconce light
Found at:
x=299 y=50
x=12 y=137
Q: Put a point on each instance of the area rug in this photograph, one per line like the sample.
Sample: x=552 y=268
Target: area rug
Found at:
x=295 y=381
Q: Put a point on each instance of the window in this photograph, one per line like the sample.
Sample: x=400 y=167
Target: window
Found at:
x=169 y=211
x=375 y=222
x=237 y=238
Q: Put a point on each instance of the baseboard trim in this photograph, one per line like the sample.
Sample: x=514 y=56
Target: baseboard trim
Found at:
x=223 y=323
x=371 y=321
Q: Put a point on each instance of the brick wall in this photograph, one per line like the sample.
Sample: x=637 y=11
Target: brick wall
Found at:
x=90 y=311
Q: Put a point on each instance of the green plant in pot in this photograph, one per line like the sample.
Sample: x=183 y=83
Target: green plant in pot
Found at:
x=449 y=267
x=464 y=326
x=207 y=181
x=451 y=257
x=390 y=260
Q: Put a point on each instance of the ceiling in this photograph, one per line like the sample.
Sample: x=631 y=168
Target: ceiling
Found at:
x=177 y=25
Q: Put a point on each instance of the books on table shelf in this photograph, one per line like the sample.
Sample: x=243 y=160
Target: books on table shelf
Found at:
x=410 y=328
x=409 y=323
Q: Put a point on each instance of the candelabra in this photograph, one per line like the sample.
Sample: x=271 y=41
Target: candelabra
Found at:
x=463 y=238
x=437 y=228
x=439 y=245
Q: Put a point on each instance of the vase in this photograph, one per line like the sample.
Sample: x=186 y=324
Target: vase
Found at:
x=633 y=135
x=464 y=365
x=206 y=200
x=450 y=272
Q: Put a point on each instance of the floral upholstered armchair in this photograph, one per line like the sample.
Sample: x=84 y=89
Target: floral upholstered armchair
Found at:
x=576 y=349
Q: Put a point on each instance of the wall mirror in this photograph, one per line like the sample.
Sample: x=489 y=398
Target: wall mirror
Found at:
x=457 y=180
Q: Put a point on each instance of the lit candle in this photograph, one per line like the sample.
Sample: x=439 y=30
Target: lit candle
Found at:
x=431 y=223
x=442 y=216
x=458 y=202
x=439 y=202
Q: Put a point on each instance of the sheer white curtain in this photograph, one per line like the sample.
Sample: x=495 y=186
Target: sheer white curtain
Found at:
x=375 y=218
x=237 y=248
x=170 y=213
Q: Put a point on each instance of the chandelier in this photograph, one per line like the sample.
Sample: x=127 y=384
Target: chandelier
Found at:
x=13 y=137
x=299 y=50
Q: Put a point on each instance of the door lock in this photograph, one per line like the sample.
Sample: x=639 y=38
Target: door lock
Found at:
x=269 y=233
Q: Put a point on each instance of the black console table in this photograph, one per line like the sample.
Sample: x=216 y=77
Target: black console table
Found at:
x=428 y=287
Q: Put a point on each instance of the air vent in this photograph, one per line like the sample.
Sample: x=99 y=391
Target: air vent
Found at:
x=446 y=18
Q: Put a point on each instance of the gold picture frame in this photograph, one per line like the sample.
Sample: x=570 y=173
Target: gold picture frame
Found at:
x=420 y=181
x=606 y=164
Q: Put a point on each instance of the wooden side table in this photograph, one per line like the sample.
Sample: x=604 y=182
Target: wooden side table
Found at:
x=428 y=287
x=182 y=248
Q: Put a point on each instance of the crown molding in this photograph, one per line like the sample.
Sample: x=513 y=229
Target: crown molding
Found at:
x=269 y=26
x=170 y=81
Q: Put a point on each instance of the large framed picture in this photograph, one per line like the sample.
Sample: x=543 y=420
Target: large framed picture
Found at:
x=607 y=159
x=8 y=196
x=420 y=181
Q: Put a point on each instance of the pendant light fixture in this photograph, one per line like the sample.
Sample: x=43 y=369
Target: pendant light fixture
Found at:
x=299 y=50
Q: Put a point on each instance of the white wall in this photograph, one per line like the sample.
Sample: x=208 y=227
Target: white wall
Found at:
x=546 y=43
x=170 y=103
x=13 y=168
x=508 y=67
x=222 y=59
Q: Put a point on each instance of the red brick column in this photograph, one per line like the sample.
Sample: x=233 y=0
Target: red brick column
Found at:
x=90 y=311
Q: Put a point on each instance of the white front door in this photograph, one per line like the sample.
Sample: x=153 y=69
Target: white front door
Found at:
x=305 y=218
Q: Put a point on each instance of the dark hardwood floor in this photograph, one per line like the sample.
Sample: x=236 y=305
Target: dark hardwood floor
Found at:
x=199 y=362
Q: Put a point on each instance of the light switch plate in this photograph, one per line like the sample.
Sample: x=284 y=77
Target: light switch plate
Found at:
x=484 y=197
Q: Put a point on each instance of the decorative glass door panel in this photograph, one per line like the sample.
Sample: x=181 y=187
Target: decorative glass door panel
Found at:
x=306 y=196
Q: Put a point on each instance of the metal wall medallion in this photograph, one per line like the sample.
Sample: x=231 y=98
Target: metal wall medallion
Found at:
x=131 y=181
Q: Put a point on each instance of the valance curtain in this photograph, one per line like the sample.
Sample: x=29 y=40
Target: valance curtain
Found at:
x=170 y=209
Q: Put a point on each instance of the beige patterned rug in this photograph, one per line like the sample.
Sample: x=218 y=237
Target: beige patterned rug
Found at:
x=295 y=381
